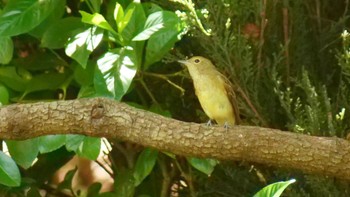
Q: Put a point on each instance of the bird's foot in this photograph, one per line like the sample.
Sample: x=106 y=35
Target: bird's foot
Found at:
x=209 y=123
x=227 y=126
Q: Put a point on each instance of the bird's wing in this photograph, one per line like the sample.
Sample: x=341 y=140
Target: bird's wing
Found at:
x=232 y=97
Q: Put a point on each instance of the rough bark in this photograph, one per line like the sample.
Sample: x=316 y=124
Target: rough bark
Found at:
x=103 y=117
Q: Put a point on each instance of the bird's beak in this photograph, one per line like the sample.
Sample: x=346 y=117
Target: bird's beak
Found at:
x=182 y=61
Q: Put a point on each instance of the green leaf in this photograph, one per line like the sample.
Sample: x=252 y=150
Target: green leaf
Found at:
x=132 y=23
x=155 y=22
x=4 y=95
x=159 y=44
x=10 y=77
x=9 y=172
x=56 y=14
x=96 y=19
x=50 y=143
x=95 y=4
x=68 y=179
x=87 y=92
x=23 y=152
x=151 y=8
x=21 y=16
x=144 y=164
x=73 y=142
x=118 y=68
x=204 y=165
x=107 y=194
x=94 y=190
x=124 y=184
x=57 y=34
x=81 y=45
x=118 y=14
x=274 y=189
x=6 y=51
x=90 y=148
x=85 y=76
x=47 y=81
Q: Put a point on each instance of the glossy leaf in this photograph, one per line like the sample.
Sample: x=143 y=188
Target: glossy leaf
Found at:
x=96 y=19
x=155 y=22
x=58 y=33
x=132 y=22
x=9 y=172
x=81 y=45
x=50 y=143
x=274 y=189
x=144 y=164
x=23 y=152
x=159 y=44
x=6 y=51
x=204 y=165
x=118 y=68
x=21 y=16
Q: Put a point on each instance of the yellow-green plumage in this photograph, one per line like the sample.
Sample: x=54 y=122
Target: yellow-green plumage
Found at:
x=213 y=90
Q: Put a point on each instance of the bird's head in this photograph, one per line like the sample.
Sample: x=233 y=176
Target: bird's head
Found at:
x=197 y=62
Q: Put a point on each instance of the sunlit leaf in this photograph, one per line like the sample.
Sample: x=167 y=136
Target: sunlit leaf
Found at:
x=96 y=19
x=118 y=68
x=118 y=13
x=132 y=22
x=155 y=22
x=274 y=189
x=81 y=45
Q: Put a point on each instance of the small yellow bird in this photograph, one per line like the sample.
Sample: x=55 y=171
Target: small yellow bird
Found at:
x=214 y=91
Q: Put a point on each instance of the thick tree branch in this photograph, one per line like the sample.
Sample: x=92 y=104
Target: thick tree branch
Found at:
x=103 y=117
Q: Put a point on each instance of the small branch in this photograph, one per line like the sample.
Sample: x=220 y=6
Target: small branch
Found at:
x=165 y=77
x=102 y=117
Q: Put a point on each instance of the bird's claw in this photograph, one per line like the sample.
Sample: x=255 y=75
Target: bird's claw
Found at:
x=227 y=126
x=209 y=123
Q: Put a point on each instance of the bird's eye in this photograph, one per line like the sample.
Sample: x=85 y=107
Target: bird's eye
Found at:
x=196 y=61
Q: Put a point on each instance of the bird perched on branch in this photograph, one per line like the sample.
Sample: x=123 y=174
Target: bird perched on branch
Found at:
x=214 y=91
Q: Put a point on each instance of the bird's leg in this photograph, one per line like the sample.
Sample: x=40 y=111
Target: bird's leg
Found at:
x=209 y=123
x=226 y=126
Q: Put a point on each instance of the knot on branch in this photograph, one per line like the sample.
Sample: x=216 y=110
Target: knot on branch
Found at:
x=97 y=111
